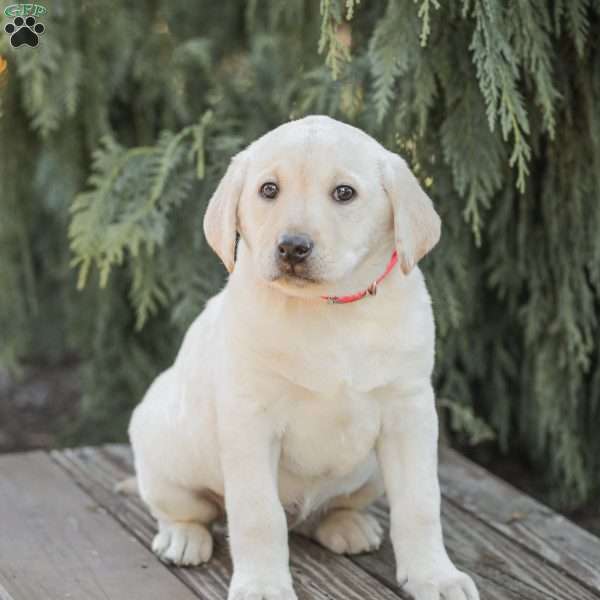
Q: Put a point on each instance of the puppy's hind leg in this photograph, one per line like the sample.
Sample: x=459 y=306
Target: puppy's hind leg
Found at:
x=346 y=528
x=184 y=517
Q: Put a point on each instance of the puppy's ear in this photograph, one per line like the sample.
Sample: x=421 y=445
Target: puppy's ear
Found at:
x=417 y=227
x=220 y=219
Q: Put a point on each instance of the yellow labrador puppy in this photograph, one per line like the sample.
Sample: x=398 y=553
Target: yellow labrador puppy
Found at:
x=299 y=395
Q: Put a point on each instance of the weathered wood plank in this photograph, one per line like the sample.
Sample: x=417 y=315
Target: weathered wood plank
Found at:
x=318 y=574
x=504 y=568
x=4 y=594
x=520 y=517
x=57 y=543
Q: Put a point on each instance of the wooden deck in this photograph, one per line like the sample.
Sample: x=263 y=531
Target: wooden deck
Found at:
x=64 y=534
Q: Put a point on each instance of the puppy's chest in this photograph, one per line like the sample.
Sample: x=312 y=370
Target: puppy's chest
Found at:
x=329 y=435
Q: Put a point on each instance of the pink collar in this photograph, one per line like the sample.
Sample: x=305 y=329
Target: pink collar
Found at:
x=371 y=290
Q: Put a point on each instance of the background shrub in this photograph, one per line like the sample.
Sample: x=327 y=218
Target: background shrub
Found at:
x=116 y=129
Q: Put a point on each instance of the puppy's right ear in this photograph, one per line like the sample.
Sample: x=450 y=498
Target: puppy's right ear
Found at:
x=220 y=219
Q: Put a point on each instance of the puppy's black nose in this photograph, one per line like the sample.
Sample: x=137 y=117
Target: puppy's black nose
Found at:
x=293 y=249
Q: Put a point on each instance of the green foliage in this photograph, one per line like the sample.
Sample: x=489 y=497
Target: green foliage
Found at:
x=462 y=419
x=117 y=128
x=390 y=55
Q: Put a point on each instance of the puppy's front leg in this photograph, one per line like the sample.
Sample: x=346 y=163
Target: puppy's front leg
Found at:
x=258 y=533
x=407 y=452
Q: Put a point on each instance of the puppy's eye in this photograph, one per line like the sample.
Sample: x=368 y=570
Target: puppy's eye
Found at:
x=269 y=190
x=343 y=193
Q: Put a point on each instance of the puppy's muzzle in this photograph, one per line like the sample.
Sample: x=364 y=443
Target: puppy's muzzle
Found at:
x=293 y=249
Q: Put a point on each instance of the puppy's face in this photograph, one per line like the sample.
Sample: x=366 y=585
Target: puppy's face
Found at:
x=312 y=205
x=312 y=199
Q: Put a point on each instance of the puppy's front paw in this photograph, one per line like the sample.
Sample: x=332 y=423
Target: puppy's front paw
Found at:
x=183 y=544
x=450 y=584
x=261 y=590
x=346 y=531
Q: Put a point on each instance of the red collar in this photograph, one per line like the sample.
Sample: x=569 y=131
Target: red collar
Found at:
x=371 y=290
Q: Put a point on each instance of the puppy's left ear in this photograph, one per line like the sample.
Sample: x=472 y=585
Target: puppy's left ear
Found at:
x=417 y=227
x=220 y=219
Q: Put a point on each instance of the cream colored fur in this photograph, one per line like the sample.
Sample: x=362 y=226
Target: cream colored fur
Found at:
x=286 y=411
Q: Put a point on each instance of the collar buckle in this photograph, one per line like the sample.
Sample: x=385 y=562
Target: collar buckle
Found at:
x=370 y=291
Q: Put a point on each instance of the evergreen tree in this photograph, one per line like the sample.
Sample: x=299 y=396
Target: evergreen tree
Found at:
x=115 y=130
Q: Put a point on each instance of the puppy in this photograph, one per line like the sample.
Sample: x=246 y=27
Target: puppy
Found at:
x=300 y=395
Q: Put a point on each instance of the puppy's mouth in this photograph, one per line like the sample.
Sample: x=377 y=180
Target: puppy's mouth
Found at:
x=295 y=275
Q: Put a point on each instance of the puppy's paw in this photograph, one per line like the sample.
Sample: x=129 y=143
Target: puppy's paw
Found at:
x=346 y=531
x=183 y=544
x=450 y=584
x=261 y=590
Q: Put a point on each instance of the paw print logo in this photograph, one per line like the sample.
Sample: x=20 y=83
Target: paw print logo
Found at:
x=24 y=31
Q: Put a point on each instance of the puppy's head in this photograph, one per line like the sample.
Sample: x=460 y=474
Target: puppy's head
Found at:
x=312 y=200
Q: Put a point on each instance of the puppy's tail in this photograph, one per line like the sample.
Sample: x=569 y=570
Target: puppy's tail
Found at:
x=127 y=487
